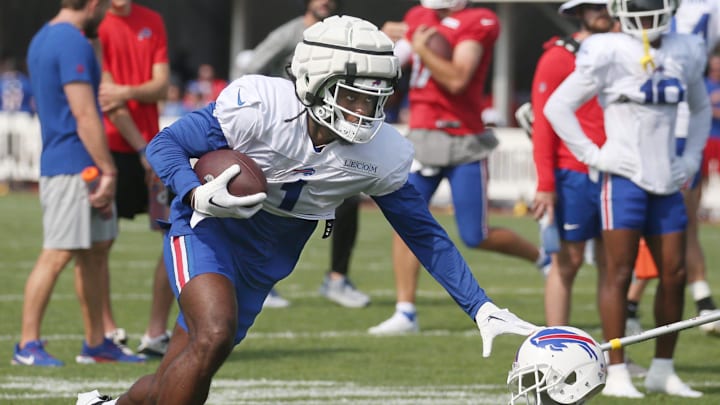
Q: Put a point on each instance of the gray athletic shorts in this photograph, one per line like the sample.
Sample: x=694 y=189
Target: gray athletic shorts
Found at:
x=437 y=148
x=69 y=222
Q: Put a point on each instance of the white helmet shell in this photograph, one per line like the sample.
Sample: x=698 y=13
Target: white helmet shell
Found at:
x=344 y=49
x=631 y=12
x=439 y=4
x=559 y=364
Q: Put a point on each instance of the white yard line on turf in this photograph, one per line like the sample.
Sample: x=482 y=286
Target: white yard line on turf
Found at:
x=226 y=391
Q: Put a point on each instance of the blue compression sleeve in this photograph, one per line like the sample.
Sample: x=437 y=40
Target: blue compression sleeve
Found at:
x=191 y=136
x=408 y=214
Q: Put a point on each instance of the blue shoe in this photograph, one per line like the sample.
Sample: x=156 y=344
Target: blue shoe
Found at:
x=107 y=351
x=34 y=354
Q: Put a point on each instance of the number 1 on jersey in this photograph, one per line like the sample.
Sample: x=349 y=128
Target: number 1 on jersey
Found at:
x=292 y=194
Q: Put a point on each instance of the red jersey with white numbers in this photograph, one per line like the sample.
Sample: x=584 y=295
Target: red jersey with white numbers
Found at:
x=431 y=107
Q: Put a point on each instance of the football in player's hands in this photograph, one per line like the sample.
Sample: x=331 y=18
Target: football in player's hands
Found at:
x=440 y=46
x=250 y=180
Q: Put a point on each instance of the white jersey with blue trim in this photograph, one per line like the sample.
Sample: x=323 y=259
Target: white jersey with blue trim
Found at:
x=258 y=119
x=639 y=102
x=701 y=18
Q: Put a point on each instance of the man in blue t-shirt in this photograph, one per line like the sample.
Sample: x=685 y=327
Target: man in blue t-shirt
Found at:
x=78 y=209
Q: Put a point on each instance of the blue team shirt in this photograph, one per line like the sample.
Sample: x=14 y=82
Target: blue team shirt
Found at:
x=60 y=54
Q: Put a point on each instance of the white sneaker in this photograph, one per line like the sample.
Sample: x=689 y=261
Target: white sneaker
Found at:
x=274 y=300
x=343 y=292
x=94 y=398
x=493 y=321
x=156 y=346
x=619 y=384
x=399 y=323
x=711 y=328
x=633 y=327
x=669 y=384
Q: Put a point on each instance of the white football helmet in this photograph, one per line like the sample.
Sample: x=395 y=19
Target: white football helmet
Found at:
x=438 y=4
x=557 y=365
x=630 y=13
x=350 y=53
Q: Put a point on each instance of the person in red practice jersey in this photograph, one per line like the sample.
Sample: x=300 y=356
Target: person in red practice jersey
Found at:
x=564 y=189
x=450 y=140
x=136 y=75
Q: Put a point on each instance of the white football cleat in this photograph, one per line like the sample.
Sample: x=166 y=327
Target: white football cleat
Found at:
x=711 y=328
x=156 y=346
x=669 y=384
x=274 y=300
x=94 y=398
x=619 y=384
x=343 y=292
x=493 y=321
x=398 y=324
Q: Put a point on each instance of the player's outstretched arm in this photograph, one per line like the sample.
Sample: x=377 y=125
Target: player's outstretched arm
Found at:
x=407 y=212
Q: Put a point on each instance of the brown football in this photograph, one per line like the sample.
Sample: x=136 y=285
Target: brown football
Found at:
x=251 y=179
x=440 y=46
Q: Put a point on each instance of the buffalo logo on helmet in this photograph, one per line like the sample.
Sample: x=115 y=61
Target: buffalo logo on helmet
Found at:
x=559 y=339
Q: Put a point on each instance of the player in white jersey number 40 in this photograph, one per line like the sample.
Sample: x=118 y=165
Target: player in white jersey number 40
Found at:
x=639 y=75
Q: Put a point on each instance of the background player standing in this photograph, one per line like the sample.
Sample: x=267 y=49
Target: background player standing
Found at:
x=450 y=141
x=564 y=190
x=136 y=76
x=639 y=75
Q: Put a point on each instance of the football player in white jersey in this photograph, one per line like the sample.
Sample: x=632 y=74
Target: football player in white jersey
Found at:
x=318 y=142
x=639 y=75
x=701 y=18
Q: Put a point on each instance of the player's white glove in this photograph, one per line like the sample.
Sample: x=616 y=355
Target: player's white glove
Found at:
x=213 y=198
x=493 y=321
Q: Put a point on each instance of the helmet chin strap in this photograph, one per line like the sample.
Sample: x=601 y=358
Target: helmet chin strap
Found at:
x=647 y=59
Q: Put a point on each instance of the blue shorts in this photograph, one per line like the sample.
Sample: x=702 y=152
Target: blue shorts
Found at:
x=468 y=184
x=577 y=211
x=254 y=254
x=679 y=149
x=624 y=205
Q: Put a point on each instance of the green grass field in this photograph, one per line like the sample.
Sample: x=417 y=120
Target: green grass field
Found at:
x=316 y=352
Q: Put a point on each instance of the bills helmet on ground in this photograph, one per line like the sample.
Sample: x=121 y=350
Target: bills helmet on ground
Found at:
x=557 y=365
x=345 y=52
